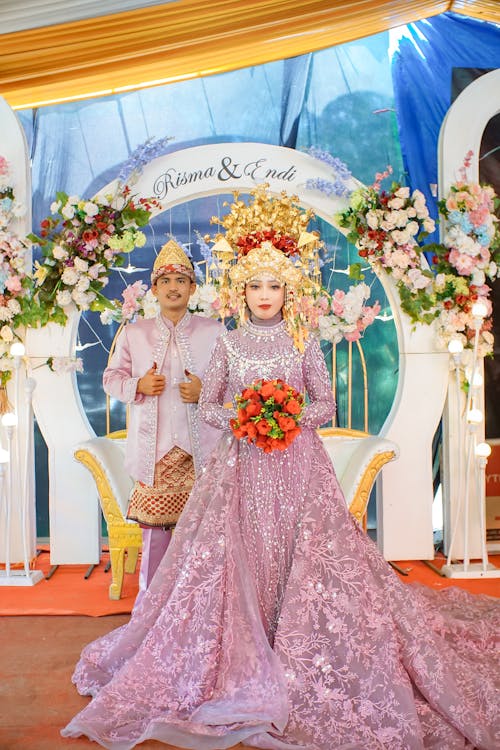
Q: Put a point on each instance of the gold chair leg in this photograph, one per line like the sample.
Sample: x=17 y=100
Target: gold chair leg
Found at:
x=131 y=559
x=116 y=555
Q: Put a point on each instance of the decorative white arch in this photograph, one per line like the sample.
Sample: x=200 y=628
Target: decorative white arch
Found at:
x=405 y=499
x=461 y=132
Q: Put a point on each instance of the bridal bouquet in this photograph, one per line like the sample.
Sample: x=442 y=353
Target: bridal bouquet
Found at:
x=269 y=412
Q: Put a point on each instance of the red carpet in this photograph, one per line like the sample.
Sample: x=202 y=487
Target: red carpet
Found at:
x=68 y=592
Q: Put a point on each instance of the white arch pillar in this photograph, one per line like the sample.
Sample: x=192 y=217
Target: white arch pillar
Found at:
x=461 y=132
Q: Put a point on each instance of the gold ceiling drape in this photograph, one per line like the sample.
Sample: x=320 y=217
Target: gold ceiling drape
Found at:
x=188 y=38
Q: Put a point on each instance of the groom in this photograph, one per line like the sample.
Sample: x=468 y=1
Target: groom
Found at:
x=157 y=369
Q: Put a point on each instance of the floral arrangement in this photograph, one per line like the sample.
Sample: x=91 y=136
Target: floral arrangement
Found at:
x=387 y=226
x=269 y=412
x=80 y=243
x=467 y=258
x=346 y=314
x=14 y=279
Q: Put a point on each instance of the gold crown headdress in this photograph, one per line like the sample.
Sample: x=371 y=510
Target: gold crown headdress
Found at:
x=172 y=259
x=268 y=236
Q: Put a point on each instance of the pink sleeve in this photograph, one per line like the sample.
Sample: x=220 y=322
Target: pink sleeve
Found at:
x=214 y=388
x=117 y=379
x=321 y=406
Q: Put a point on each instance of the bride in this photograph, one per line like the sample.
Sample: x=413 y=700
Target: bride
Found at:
x=273 y=620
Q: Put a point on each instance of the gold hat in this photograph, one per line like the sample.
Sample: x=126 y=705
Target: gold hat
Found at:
x=268 y=236
x=172 y=259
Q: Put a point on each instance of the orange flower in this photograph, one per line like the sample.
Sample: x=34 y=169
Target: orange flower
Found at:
x=250 y=394
x=238 y=431
x=243 y=416
x=262 y=442
x=253 y=409
x=291 y=435
x=267 y=390
x=293 y=406
x=279 y=395
x=263 y=427
x=286 y=423
x=251 y=430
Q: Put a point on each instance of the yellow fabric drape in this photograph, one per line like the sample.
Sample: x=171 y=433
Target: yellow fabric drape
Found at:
x=188 y=38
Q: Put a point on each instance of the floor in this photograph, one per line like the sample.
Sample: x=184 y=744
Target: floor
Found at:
x=37 y=657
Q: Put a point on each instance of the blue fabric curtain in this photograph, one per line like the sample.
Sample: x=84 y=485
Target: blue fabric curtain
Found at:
x=422 y=71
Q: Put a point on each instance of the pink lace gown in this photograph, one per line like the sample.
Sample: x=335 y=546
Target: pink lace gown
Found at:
x=274 y=621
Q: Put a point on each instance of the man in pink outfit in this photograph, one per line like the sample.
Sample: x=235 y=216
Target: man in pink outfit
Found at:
x=157 y=369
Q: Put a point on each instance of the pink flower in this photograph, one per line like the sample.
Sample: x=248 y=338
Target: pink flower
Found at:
x=463 y=263
x=353 y=335
x=13 y=284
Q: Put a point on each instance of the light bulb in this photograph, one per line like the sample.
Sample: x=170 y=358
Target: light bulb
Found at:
x=9 y=419
x=483 y=450
x=479 y=310
x=17 y=349
x=455 y=346
x=4 y=456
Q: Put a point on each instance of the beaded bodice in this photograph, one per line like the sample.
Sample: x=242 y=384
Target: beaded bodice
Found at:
x=251 y=352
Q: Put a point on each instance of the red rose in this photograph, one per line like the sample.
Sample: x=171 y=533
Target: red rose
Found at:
x=293 y=406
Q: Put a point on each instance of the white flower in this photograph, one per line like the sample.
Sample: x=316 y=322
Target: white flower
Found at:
x=14 y=306
x=63 y=298
x=402 y=192
x=396 y=203
x=429 y=225
x=417 y=279
x=412 y=227
x=66 y=364
x=389 y=222
x=107 y=316
x=69 y=276
x=83 y=284
x=6 y=333
x=372 y=219
x=55 y=206
x=68 y=211
x=5 y=313
x=478 y=277
x=91 y=209
x=439 y=282
x=81 y=299
x=59 y=252
x=401 y=237
x=95 y=270
x=150 y=305
x=80 y=264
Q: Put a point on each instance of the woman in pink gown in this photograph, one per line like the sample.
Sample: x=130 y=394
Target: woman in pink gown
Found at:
x=273 y=620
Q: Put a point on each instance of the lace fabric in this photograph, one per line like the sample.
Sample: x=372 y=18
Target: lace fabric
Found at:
x=274 y=621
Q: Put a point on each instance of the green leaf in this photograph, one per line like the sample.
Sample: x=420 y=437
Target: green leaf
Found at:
x=355 y=272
